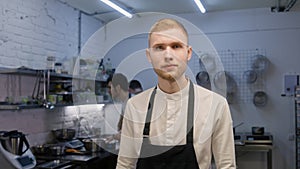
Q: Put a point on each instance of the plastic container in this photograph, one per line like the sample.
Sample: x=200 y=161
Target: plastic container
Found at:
x=58 y=68
x=50 y=62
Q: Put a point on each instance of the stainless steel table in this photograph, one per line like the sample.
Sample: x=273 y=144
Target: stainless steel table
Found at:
x=257 y=148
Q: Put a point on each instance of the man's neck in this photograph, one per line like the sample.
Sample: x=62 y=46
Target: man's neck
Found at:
x=169 y=86
x=122 y=97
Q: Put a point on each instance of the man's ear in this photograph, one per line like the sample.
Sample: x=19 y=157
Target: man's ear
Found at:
x=189 y=53
x=118 y=88
x=148 y=55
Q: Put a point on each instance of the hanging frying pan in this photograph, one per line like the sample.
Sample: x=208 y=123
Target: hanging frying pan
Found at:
x=250 y=76
x=202 y=79
x=224 y=82
x=260 y=98
x=260 y=63
x=207 y=62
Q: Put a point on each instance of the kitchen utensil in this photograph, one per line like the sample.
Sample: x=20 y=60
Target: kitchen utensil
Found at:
x=14 y=151
x=258 y=130
x=92 y=145
x=207 y=61
x=39 y=149
x=14 y=142
x=36 y=89
x=250 y=76
x=224 y=81
x=260 y=63
x=64 y=134
x=202 y=79
x=260 y=98
x=57 y=150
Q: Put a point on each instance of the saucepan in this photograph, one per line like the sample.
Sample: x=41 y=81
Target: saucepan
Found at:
x=92 y=145
x=64 y=134
x=57 y=150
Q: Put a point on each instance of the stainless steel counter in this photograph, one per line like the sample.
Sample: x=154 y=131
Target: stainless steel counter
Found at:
x=250 y=143
x=84 y=161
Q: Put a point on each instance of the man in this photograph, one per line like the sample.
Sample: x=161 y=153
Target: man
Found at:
x=135 y=87
x=118 y=89
x=176 y=124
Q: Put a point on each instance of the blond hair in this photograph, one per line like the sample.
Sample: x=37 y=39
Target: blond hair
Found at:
x=166 y=24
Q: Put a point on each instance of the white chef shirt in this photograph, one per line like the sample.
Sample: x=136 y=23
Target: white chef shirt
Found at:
x=213 y=133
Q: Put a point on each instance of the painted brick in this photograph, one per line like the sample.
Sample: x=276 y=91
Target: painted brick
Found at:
x=29 y=32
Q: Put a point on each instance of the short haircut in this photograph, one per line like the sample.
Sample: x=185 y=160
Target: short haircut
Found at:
x=165 y=24
x=120 y=79
x=135 y=84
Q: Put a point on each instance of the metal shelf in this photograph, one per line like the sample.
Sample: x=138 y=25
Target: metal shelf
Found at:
x=21 y=71
x=19 y=107
x=47 y=77
x=33 y=72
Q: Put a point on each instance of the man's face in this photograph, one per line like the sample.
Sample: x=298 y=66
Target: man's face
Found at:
x=114 y=91
x=109 y=86
x=169 y=53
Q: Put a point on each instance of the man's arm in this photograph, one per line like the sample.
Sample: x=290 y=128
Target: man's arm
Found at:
x=223 y=140
x=131 y=139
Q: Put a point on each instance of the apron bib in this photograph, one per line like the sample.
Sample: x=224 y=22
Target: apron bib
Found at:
x=169 y=157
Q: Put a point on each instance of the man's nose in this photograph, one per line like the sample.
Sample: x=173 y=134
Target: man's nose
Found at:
x=169 y=52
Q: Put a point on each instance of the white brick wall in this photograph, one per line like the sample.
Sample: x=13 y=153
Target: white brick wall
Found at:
x=30 y=30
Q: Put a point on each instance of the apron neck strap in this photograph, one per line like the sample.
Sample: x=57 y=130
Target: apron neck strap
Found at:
x=190 y=117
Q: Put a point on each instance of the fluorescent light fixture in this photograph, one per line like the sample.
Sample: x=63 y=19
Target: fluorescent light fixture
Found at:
x=200 y=6
x=116 y=7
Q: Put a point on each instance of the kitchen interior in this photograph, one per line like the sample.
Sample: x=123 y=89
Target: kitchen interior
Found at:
x=56 y=55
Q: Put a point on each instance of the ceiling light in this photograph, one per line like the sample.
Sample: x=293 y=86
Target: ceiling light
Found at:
x=116 y=7
x=200 y=6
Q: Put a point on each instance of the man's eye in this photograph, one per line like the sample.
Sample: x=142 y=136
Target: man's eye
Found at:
x=158 y=48
x=176 y=46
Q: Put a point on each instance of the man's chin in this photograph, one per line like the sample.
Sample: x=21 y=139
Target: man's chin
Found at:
x=164 y=75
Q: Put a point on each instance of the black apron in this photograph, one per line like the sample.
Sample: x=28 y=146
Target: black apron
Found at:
x=169 y=157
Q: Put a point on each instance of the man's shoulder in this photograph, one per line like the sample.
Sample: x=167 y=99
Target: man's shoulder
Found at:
x=142 y=96
x=207 y=93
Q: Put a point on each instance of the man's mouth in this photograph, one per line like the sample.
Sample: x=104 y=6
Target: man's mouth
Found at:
x=168 y=67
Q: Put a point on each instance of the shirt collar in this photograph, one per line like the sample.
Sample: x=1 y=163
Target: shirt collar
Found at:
x=175 y=96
